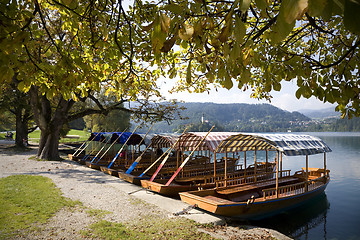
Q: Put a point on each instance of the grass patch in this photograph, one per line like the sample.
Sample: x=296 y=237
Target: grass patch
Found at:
x=98 y=213
x=155 y=228
x=28 y=200
x=83 y=136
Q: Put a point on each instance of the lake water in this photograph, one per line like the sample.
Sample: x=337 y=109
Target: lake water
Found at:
x=336 y=213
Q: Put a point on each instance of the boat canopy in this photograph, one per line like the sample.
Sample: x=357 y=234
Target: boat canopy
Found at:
x=135 y=138
x=98 y=136
x=188 y=141
x=164 y=140
x=289 y=144
x=147 y=138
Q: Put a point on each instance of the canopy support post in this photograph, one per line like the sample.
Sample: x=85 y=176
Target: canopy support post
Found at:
x=245 y=166
x=307 y=173
x=281 y=165
x=267 y=161
x=225 y=167
x=255 y=166
x=277 y=175
x=214 y=164
x=325 y=164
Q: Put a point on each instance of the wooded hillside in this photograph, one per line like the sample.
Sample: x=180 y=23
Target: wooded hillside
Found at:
x=237 y=117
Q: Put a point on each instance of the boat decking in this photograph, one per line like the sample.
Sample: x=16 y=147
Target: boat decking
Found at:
x=246 y=191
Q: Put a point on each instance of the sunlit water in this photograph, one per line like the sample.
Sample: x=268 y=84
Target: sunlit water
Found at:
x=335 y=214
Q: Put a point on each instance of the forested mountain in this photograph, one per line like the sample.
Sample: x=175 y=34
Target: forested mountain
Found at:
x=321 y=113
x=236 y=117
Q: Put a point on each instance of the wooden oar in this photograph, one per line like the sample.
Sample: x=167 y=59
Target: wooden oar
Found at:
x=187 y=159
x=138 y=159
x=112 y=144
x=143 y=139
x=118 y=153
x=101 y=149
x=94 y=150
x=159 y=158
x=77 y=153
x=165 y=159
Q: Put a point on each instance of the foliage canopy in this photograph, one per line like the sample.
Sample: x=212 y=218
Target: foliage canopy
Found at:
x=72 y=47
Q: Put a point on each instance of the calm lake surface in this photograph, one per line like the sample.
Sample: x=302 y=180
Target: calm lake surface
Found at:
x=336 y=213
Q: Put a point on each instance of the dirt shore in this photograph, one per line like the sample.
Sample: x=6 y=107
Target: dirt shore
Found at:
x=96 y=190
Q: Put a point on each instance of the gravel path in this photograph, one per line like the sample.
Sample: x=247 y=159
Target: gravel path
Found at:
x=98 y=191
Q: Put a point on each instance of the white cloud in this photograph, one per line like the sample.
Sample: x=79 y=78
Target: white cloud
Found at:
x=285 y=99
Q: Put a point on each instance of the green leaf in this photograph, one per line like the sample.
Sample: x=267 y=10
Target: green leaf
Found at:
x=316 y=7
x=188 y=73
x=352 y=16
x=174 y=8
x=293 y=9
x=298 y=93
x=244 y=5
x=261 y=4
x=239 y=30
x=277 y=86
x=228 y=84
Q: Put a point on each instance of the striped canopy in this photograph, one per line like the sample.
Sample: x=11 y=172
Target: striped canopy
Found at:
x=164 y=140
x=189 y=141
x=289 y=144
x=147 y=138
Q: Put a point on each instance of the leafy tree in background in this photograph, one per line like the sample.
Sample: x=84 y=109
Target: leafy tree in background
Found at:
x=18 y=104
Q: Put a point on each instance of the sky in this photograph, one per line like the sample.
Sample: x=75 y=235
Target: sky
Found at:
x=284 y=99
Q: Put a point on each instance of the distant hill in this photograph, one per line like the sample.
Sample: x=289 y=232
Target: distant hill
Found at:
x=237 y=117
x=321 y=114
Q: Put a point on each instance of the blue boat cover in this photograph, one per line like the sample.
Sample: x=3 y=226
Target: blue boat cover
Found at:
x=289 y=144
x=99 y=136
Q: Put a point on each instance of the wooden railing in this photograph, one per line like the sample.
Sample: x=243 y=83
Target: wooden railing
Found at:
x=249 y=178
x=294 y=189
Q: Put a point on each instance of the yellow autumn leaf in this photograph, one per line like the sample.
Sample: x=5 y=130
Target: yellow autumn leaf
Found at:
x=294 y=9
x=186 y=32
x=165 y=22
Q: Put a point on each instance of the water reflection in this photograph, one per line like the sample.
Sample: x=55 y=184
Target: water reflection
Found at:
x=298 y=222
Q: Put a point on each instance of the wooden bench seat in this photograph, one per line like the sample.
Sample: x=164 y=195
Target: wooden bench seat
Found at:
x=254 y=186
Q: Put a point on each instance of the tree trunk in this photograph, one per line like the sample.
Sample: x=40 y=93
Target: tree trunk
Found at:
x=21 y=128
x=49 y=143
x=50 y=121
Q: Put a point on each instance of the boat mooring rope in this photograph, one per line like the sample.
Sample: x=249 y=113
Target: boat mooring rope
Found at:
x=185 y=210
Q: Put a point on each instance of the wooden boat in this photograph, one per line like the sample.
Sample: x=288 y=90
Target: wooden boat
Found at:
x=201 y=173
x=263 y=198
x=88 y=147
x=203 y=180
x=124 y=140
x=141 y=168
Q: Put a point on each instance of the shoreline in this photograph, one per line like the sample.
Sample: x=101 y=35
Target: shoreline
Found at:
x=96 y=190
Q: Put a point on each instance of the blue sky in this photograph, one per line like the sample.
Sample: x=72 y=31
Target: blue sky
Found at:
x=285 y=99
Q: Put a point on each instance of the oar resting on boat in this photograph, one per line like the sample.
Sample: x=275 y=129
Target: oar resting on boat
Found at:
x=108 y=168
x=138 y=159
x=98 y=164
x=165 y=187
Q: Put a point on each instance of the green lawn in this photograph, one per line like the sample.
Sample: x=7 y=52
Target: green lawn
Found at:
x=83 y=136
x=28 y=200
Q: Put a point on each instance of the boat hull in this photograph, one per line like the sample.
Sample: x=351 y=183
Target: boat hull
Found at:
x=92 y=165
x=110 y=171
x=248 y=211
x=132 y=178
x=172 y=190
